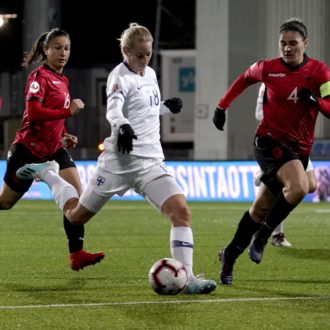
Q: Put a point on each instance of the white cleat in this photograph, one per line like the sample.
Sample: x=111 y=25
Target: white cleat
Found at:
x=36 y=171
x=199 y=285
x=279 y=240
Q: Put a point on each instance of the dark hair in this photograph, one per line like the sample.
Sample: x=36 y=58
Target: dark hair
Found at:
x=294 y=24
x=37 y=54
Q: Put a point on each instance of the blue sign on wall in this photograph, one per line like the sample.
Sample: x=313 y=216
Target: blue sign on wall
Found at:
x=187 y=79
x=227 y=181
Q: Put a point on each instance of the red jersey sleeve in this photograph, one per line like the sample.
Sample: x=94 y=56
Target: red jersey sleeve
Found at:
x=251 y=76
x=324 y=100
x=36 y=112
x=324 y=106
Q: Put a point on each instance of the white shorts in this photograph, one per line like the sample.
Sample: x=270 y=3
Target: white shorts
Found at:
x=116 y=174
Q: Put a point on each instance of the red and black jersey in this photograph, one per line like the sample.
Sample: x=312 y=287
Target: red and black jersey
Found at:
x=47 y=101
x=286 y=118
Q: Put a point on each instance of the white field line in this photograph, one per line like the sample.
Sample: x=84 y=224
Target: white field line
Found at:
x=166 y=302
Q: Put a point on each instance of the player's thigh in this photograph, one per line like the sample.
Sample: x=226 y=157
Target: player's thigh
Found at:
x=293 y=174
x=101 y=187
x=159 y=190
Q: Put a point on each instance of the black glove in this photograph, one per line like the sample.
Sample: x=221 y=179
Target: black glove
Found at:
x=306 y=95
x=174 y=104
x=219 y=118
x=125 y=138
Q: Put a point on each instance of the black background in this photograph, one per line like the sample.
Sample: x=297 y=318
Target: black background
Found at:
x=95 y=26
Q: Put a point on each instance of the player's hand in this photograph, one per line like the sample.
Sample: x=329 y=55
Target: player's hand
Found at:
x=219 y=118
x=174 y=104
x=76 y=106
x=69 y=141
x=306 y=95
x=125 y=138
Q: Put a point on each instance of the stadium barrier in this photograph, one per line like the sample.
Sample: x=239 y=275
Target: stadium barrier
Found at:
x=223 y=181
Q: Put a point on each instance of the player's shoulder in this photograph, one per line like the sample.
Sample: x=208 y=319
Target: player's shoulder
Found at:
x=313 y=62
x=150 y=71
x=44 y=72
x=120 y=71
x=259 y=64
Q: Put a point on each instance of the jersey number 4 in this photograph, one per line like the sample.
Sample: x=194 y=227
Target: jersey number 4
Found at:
x=294 y=95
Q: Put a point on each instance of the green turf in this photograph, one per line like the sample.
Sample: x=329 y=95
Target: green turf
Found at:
x=290 y=289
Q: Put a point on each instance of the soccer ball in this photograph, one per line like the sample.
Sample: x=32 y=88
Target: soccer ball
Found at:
x=168 y=276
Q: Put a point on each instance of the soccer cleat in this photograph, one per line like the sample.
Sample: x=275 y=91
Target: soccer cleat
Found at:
x=226 y=272
x=199 y=285
x=279 y=240
x=36 y=171
x=81 y=259
x=256 y=250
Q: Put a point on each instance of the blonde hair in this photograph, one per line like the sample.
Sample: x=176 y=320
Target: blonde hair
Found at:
x=134 y=34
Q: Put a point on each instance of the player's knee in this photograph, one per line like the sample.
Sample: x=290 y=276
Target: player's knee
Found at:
x=258 y=214
x=6 y=205
x=296 y=192
x=184 y=213
x=312 y=186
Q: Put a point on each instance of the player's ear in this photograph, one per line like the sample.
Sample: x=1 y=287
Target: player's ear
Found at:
x=126 y=51
x=306 y=43
x=45 y=48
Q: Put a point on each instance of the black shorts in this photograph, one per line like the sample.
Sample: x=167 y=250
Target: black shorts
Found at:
x=18 y=156
x=271 y=155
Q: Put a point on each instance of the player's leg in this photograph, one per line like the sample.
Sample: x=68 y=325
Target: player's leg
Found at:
x=8 y=197
x=14 y=188
x=67 y=198
x=293 y=176
x=278 y=236
x=247 y=227
x=79 y=258
x=312 y=180
x=165 y=194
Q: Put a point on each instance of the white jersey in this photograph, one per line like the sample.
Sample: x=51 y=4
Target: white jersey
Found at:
x=135 y=100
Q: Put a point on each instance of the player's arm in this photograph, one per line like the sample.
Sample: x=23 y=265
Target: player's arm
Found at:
x=36 y=112
x=322 y=103
x=69 y=140
x=172 y=105
x=114 y=111
x=237 y=87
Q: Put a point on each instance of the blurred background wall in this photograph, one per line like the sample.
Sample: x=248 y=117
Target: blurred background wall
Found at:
x=200 y=48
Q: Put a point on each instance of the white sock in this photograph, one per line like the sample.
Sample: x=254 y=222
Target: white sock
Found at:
x=182 y=247
x=278 y=229
x=62 y=190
